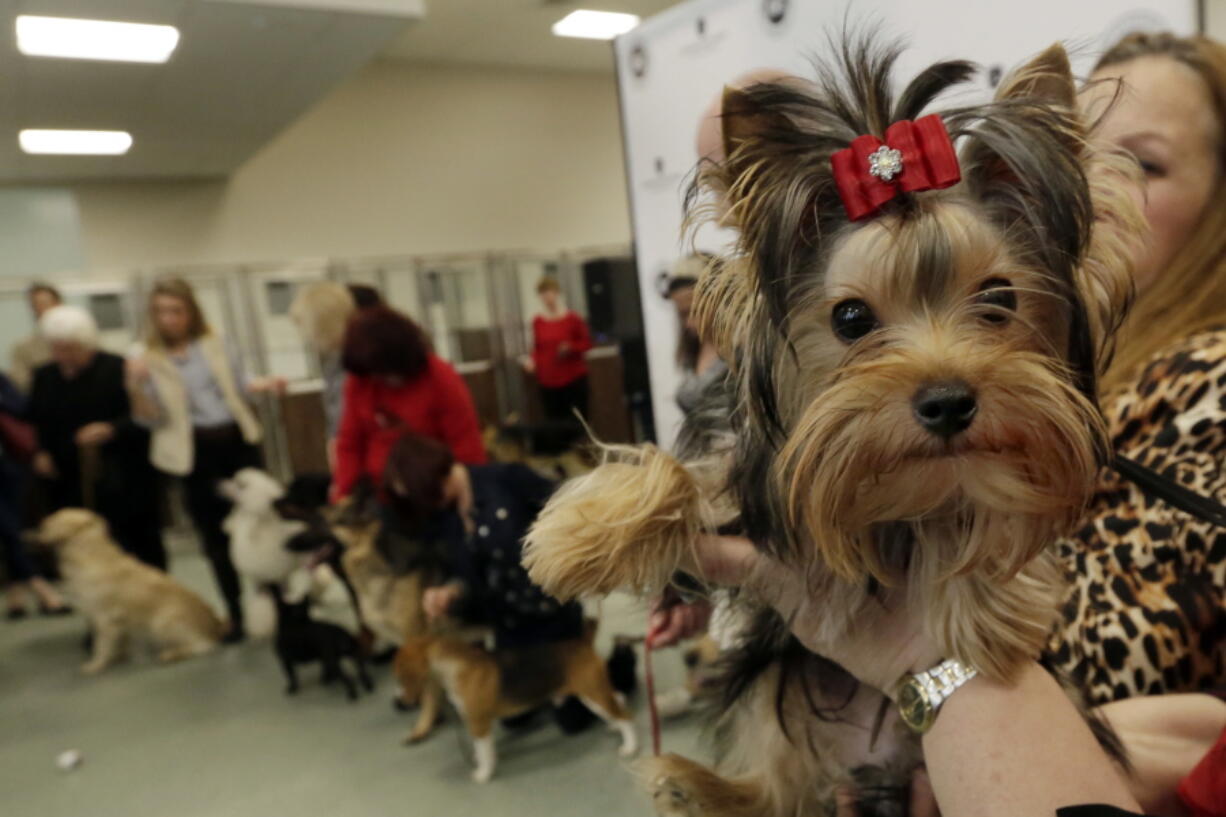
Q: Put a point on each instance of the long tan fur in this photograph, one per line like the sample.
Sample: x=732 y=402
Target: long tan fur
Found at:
x=629 y=524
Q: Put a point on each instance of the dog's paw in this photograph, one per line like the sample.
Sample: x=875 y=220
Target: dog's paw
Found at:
x=291 y=689
x=682 y=788
x=670 y=798
x=399 y=705
x=482 y=775
x=92 y=667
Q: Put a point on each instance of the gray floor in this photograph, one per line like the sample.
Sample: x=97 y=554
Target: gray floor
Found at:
x=216 y=736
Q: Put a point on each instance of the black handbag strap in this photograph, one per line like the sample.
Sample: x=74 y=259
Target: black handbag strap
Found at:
x=1171 y=492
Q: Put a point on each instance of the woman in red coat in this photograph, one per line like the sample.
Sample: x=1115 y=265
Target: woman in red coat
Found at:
x=396 y=384
x=560 y=341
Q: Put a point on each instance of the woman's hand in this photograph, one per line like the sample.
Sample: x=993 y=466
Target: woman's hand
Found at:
x=95 y=434
x=268 y=385
x=528 y=364
x=136 y=370
x=438 y=600
x=672 y=623
x=44 y=466
x=464 y=501
x=888 y=639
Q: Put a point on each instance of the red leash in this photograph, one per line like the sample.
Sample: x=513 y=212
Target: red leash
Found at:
x=650 y=677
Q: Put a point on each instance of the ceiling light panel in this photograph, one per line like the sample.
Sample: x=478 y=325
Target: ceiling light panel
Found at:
x=75 y=142
x=594 y=25
x=94 y=39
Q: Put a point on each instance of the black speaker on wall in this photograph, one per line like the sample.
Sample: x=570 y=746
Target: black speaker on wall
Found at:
x=613 y=306
x=615 y=311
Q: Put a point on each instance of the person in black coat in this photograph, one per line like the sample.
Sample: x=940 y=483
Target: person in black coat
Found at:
x=486 y=583
x=91 y=451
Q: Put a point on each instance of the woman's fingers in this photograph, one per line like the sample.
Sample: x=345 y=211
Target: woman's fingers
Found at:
x=726 y=560
x=845 y=804
x=923 y=801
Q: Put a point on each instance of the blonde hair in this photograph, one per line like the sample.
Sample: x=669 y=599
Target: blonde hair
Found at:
x=181 y=289
x=1191 y=293
x=321 y=311
x=548 y=284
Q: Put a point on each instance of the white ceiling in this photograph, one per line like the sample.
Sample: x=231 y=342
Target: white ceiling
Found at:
x=245 y=69
x=242 y=72
x=511 y=32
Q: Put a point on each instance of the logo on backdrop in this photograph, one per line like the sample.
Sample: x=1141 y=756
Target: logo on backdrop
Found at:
x=638 y=60
x=775 y=10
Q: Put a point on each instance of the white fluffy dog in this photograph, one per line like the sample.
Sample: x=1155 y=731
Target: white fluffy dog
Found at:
x=258 y=538
x=257 y=532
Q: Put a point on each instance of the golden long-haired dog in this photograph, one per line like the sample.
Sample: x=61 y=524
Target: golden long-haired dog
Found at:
x=486 y=686
x=913 y=399
x=124 y=598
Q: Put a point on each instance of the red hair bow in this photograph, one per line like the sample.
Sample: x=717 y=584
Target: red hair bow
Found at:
x=915 y=156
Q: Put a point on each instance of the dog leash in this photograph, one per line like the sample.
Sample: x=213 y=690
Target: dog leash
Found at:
x=1162 y=487
x=649 y=677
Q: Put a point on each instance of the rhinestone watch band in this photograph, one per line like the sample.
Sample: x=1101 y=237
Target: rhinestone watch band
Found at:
x=941 y=681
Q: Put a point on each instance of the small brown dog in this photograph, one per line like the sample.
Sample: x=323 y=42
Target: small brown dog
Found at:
x=390 y=604
x=124 y=598
x=486 y=686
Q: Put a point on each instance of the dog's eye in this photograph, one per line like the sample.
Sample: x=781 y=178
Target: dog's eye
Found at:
x=996 y=293
x=852 y=319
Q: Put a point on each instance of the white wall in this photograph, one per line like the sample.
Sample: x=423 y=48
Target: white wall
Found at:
x=403 y=158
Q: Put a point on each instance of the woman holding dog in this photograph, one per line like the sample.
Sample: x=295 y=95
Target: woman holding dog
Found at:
x=204 y=428
x=1162 y=100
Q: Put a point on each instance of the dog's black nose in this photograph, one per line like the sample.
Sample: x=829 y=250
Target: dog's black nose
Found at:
x=945 y=408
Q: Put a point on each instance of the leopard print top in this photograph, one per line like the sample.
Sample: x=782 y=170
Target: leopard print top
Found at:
x=1146 y=610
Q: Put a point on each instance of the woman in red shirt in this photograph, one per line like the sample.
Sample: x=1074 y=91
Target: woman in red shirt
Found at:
x=560 y=340
x=396 y=384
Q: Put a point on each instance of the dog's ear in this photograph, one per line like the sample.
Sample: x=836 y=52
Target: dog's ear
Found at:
x=1104 y=279
x=1047 y=77
x=67 y=524
x=743 y=121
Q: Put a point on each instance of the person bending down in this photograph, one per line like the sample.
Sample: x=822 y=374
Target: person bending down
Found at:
x=486 y=583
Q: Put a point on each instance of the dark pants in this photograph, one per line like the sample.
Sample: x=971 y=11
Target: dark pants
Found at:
x=17 y=564
x=561 y=428
x=220 y=453
x=559 y=403
x=125 y=494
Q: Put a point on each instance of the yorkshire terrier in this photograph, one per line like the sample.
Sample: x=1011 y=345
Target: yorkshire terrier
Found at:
x=915 y=337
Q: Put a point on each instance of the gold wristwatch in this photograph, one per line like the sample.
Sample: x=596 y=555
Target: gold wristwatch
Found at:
x=920 y=695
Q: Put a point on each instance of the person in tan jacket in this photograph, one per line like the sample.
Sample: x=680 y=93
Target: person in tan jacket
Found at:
x=30 y=353
x=203 y=429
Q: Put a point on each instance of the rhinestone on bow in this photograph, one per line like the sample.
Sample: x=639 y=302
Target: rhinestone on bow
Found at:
x=885 y=163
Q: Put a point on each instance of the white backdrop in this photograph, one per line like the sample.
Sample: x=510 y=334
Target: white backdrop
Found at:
x=673 y=65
